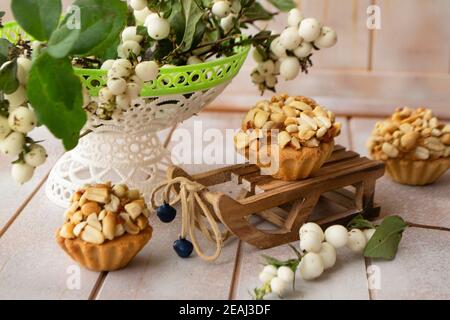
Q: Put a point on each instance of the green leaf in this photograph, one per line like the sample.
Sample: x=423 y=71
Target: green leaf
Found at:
x=257 y=12
x=111 y=52
x=283 y=5
x=163 y=48
x=359 y=222
x=5 y=45
x=177 y=21
x=192 y=15
x=100 y=26
x=384 y=242
x=55 y=93
x=61 y=43
x=8 y=77
x=39 y=18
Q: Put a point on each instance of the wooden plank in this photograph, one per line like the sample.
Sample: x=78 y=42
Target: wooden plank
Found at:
x=341 y=155
x=237 y=175
x=430 y=21
x=32 y=265
x=329 y=169
x=15 y=196
x=339 y=198
x=273 y=217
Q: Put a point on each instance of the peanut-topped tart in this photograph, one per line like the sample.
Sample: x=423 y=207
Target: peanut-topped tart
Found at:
x=299 y=128
x=105 y=226
x=413 y=144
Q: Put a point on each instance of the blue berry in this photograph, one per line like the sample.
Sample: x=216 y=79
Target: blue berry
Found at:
x=166 y=213
x=183 y=247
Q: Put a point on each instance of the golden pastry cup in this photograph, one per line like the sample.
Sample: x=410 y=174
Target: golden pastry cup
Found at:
x=109 y=256
x=417 y=172
x=298 y=164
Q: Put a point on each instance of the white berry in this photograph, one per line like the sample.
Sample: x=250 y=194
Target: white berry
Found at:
x=158 y=28
x=123 y=101
x=310 y=242
x=311 y=227
x=227 y=23
x=265 y=277
x=22 y=119
x=130 y=33
x=257 y=57
x=336 y=235
x=271 y=296
x=294 y=18
x=271 y=81
x=290 y=39
x=311 y=266
x=309 y=29
x=135 y=79
x=279 y=286
x=194 y=60
x=5 y=129
x=23 y=69
x=117 y=86
x=266 y=68
x=123 y=63
x=105 y=95
x=328 y=255
x=86 y=96
x=289 y=68
x=221 y=9
x=36 y=156
x=12 y=145
x=18 y=97
x=270 y=269
x=129 y=47
x=327 y=38
x=286 y=274
x=21 y=172
x=368 y=233
x=147 y=70
x=133 y=90
x=257 y=77
x=138 y=4
x=277 y=48
x=303 y=50
x=356 y=240
x=107 y=64
x=141 y=15
x=118 y=72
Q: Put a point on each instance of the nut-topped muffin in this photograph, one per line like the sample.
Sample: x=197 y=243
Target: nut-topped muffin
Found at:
x=301 y=129
x=414 y=145
x=105 y=226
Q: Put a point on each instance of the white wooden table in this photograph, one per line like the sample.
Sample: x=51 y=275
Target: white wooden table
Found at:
x=32 y=266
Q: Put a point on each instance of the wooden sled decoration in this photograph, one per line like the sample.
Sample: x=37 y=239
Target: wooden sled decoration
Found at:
x=288 y=204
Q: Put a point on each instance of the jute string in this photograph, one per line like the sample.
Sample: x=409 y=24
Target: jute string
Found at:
x=190 y=196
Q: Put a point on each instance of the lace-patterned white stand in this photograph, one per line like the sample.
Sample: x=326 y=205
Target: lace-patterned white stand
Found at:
x=126 y=149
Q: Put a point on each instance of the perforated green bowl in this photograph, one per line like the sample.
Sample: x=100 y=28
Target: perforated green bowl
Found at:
x=171 y=80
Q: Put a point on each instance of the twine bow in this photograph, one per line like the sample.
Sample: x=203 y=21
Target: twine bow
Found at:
x=190 y=196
